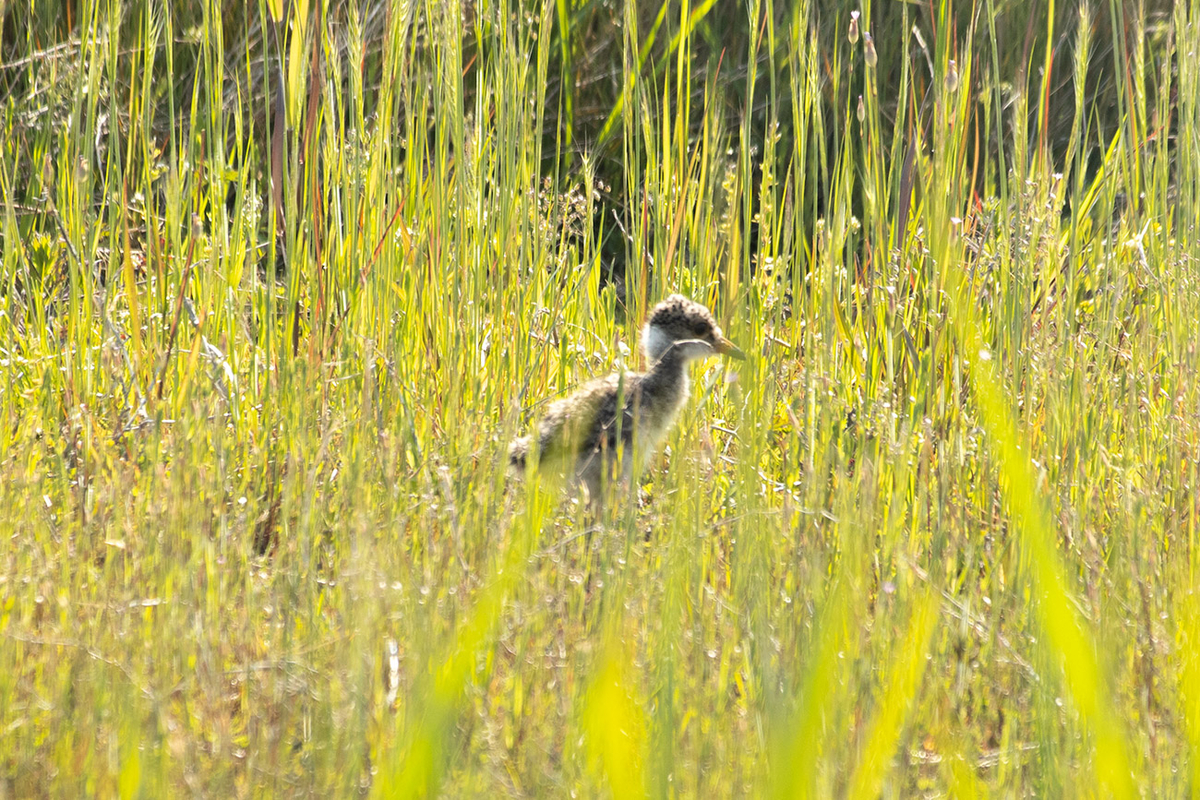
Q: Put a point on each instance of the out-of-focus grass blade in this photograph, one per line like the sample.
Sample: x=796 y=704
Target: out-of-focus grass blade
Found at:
x=1188 y=643
x=1065 y=635
x=129 y=778
x=961 y=780
x=907 y=669
x=614 y=726
x=415 y=769
x=794 y=766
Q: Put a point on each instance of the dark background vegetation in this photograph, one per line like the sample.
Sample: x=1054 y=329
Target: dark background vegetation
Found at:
x=585 y=80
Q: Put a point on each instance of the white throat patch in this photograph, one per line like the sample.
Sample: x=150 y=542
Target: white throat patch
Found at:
x=654 y=342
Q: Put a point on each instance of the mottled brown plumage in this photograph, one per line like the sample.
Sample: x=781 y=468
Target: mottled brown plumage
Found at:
x=613 y=420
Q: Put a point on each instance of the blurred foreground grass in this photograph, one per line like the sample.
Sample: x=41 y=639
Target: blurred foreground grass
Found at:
x=263 y=351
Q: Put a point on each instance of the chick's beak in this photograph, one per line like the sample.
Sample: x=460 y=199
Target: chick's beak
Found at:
x=728 y=348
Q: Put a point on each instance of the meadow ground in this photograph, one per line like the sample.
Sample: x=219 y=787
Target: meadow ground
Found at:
x=277 y=286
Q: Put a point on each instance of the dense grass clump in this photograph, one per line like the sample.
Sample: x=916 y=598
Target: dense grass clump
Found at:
x=278 y=286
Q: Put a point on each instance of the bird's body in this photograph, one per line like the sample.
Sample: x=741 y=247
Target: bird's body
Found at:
x=620 y=419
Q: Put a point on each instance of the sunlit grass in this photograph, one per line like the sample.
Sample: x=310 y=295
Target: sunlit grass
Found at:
x=266 y=333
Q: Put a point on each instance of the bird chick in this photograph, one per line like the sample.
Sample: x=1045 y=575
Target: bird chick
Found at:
x=613 y=420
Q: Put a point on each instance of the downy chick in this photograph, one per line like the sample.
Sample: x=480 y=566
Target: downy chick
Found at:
x=626 y=415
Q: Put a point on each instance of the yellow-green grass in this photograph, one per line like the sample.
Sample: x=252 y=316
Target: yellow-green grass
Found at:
x=935 y=537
